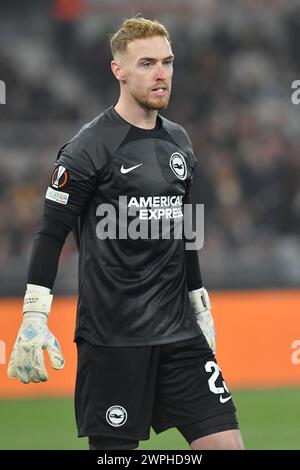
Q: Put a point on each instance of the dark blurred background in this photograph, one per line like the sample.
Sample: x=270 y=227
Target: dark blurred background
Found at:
x=235 y=62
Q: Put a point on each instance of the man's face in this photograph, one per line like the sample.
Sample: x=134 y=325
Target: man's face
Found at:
x=147 y=67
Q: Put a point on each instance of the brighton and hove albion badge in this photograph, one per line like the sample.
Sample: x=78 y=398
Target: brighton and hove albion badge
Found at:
x=116 y=416
x=178 y=165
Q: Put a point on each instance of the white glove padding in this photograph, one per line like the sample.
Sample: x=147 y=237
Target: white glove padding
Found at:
x=27 y=358
x=201 y=303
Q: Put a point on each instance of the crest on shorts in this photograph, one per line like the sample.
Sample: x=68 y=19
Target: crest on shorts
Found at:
x=116 y=416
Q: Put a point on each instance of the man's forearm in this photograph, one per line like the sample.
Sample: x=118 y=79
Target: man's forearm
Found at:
x=193 y=272
x=44 y=260
x=47 y=247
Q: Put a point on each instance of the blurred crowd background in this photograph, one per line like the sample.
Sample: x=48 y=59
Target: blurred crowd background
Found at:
x=235 y=61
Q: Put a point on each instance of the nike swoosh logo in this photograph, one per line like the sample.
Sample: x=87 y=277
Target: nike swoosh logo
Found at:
x=224 y=400
x=127 y=170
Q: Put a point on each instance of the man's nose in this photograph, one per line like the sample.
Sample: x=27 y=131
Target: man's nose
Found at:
x=160 y=72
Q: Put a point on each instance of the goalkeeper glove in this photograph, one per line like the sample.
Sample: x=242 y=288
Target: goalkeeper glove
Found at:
x=27 y=358
x=201 y=303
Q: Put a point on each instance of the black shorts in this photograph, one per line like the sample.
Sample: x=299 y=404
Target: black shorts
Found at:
x=122 y=391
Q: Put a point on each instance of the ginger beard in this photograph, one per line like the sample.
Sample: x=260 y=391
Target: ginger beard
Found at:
x=153 y=100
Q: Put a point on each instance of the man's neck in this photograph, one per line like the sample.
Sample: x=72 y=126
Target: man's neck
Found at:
x=136 y=115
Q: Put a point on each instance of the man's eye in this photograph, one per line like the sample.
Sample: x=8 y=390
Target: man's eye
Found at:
x=147 y=64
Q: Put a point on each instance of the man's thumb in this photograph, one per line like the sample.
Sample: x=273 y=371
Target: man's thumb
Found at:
x=55 y=354
x=12 y=366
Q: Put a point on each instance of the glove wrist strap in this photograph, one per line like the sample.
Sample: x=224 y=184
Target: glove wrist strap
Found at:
x=200 y=300
x=37 y=299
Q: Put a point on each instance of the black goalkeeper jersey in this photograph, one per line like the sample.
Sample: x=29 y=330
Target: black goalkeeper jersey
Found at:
x=132 y=290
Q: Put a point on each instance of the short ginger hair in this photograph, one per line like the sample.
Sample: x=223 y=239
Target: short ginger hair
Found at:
x=136 y=28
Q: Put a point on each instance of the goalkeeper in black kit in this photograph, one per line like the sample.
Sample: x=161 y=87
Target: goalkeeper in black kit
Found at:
x=144 y=331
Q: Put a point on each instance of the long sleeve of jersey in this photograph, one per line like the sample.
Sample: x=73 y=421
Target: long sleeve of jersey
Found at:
x=193 y=272
x=72 y=183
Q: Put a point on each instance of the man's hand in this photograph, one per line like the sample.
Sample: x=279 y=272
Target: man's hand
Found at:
x=27 y=358
x=201 y=303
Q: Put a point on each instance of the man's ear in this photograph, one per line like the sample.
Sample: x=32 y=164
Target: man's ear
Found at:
x=117 y=70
